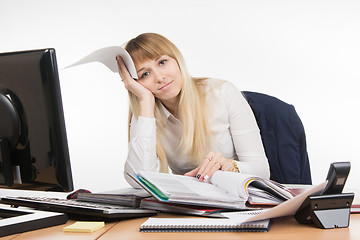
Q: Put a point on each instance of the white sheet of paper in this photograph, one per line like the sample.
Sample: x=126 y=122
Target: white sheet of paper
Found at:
x=107 y=56
x=287 y=208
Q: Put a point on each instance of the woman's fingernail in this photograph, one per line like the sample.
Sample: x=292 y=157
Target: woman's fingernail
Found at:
x=206 y=177
x=198 y=176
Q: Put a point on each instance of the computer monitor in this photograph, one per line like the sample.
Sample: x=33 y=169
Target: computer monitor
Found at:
x=33 y=144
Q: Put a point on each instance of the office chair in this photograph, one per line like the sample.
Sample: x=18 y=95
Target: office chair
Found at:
x=283 y=136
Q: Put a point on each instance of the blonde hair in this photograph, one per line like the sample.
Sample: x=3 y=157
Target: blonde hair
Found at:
x=192 y=104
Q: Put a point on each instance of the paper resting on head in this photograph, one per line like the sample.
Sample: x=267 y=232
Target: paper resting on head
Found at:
x=107 y=56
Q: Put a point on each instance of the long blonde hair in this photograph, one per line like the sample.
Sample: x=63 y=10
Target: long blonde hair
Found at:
x=192 y=105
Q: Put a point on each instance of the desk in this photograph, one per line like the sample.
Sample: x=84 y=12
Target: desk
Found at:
x=282 y=228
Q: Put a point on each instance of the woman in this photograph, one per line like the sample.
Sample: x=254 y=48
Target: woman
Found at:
x=191 y=126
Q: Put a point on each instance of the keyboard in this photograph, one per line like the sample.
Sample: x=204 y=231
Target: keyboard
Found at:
x=75 y=208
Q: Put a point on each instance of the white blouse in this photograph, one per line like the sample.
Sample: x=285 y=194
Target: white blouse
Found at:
x=235 y=135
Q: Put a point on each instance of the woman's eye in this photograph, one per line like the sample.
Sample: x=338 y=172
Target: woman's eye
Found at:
x=162 y=61
x=145 y=74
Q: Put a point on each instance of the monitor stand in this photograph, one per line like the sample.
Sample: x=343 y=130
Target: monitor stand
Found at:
x=6 y=175
x=18 y=220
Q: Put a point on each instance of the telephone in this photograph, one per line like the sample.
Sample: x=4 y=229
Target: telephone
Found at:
x=330 y=208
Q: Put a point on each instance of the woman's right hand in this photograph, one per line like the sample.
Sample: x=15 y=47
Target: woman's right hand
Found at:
x=131 y=84
x=145 y=96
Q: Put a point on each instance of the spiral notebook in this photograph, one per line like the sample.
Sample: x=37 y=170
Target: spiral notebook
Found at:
x=202 y=225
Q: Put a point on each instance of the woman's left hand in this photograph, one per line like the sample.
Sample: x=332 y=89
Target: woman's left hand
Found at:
x=212 y=163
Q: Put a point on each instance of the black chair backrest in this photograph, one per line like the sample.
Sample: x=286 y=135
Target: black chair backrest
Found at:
x=283 y=136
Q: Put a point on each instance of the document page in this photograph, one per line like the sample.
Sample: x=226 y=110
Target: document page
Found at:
x=107 y=56
x=241 y=183
x=184 y=187
x=287 y=208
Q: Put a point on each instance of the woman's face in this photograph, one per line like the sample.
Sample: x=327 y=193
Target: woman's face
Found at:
x=162 y=77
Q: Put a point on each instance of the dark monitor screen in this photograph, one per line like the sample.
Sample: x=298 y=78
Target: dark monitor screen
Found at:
x=33 y=144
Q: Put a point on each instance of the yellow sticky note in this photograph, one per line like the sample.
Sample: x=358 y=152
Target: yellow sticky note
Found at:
x=81 y=226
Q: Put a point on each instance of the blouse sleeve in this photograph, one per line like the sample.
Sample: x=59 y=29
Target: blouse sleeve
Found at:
x=245 y=134
x=142 y=148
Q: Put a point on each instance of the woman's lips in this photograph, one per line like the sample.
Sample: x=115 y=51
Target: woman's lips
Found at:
x=166 y=86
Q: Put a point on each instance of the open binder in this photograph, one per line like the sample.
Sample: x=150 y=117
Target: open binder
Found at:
x=228 y=190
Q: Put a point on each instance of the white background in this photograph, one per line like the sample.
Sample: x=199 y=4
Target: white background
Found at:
x=304 y=52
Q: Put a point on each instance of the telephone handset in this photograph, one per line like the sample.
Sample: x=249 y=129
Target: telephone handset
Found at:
x=337 y=176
